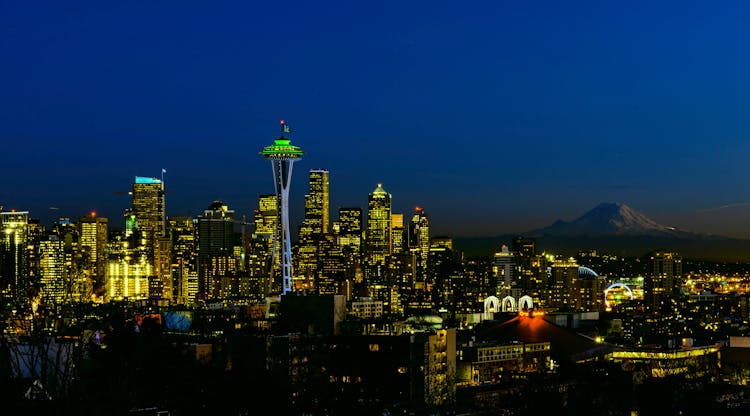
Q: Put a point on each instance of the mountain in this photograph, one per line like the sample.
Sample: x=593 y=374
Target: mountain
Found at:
x=615 y=228
x=611 y=219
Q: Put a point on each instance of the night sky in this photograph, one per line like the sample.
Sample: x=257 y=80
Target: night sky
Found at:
x=497 y=116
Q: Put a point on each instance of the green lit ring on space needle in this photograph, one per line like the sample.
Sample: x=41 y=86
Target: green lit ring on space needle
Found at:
x=282 y=149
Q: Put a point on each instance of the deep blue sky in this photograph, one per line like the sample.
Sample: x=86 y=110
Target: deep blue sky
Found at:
x=497 y=116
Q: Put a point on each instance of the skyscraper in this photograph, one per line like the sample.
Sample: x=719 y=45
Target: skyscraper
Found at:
x=503 y=265
x=419 y=238
x=399 y=239
x=14 y=267
x=563 y=280
x=184 y=259
x=282 y=155
x=148 y=207
x=266 y=218
x=216 y=243
x=663 y=278
x=53 y=271
x=262 y=245
x=378 y=228
x=317 y=211
x=312 y=230
x=350 y=240
x=93 y=232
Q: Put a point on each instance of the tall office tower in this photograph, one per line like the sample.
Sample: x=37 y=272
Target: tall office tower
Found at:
x=216 y=241
x=93 y=241
x=184 y=259
x=401 y=274
x=35 y=233
x=55 y=289
x=663 y=279
x=503 y=266
x=282 y=155
x=444 y=270
x=314 y=226
x=14 y=266
x=147 y=205
x=266 y=218
x=331 y=268
x=78 y=268
x=526 y=276
x=160 y=285
x=317 y=202
x=262 y=244
x=378 y=241
x=350 y=241
x=419 y=238
x=588 y=289
x=399 y=239
x=563 y=280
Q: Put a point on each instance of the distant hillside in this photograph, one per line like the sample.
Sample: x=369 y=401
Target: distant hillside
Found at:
x=618 y=229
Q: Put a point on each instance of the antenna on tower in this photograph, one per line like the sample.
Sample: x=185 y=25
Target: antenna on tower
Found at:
x=284 y=128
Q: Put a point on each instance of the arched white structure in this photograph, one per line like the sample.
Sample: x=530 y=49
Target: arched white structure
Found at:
x=616 y=285
x=525 y=303
x=508 y=300
x=491 y=305
x=585 y=271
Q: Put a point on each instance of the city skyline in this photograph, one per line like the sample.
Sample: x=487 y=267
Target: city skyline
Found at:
x=495 y=119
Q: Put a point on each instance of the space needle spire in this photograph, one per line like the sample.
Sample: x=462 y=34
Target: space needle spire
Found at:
x=282 y=155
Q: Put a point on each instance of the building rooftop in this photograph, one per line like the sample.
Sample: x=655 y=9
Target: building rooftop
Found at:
x=564 y=342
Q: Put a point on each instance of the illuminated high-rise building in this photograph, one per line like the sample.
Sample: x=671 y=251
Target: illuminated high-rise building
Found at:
x=563 y=280
x=147 y=205
x=663 y=278
x=260 y=262
x=331 y=266
x=282 y=155
x=216 y=241
x=266 y=217
x=317 y=202
x=184 y=259
x=312 y=230
x=350 y=240
x=14 y=266
x=93 y=240
x=399 y=239
x=53 y=271
x=378 y=241
x=588 y=290
x=503 y=267
x=419 y=238
x=128 y=271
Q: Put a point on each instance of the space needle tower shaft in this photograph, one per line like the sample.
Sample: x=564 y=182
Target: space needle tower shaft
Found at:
x=282 y=155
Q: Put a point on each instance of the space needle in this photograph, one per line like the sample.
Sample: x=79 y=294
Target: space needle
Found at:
x=282 y=155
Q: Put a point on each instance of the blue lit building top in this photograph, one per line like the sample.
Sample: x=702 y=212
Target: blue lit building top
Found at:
x=143 y=179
